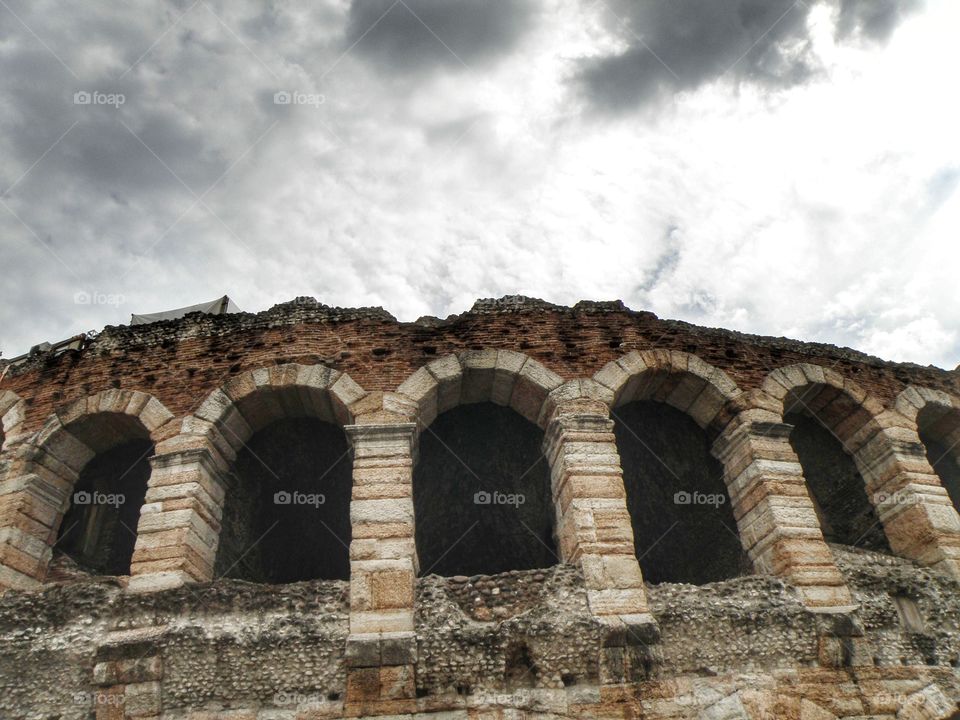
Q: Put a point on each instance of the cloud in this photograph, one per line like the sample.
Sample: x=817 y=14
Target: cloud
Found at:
x=668 y=46
x=873 y=19
x=419 y=185
x=408 y=36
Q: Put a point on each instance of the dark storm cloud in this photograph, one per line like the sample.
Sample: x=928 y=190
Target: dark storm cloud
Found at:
x=410 y=35
x=676 y=45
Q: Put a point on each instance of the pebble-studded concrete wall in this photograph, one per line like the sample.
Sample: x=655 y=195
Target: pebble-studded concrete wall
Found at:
x=746 y=647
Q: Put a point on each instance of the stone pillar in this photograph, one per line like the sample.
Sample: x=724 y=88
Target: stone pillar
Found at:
x=30 y=511
x=381 y=648
x=128 y=674
x=593 y=524
x=776 y=518
x=179 y=527
x=917 y=514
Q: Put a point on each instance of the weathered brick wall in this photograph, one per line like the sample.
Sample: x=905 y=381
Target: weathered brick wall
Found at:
x=180 y=362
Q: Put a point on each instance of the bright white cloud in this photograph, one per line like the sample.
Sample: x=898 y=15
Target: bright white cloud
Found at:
x=827 y=210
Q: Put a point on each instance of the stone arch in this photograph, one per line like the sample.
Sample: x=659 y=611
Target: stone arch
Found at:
x=503 y=377
x=466 y=405
x=912 y=507
x=679 y=379
x=668 y=408
x=934 y=415
x=179 y=536
x=12 y=409
x=44 y=470
x=914 y=398
x=846 y=409
x=837 y=433
x=246 y=403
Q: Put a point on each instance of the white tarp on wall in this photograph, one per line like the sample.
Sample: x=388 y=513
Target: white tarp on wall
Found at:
x=220 y=306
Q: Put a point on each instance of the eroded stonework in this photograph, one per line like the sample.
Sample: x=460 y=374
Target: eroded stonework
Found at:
x=252 y=422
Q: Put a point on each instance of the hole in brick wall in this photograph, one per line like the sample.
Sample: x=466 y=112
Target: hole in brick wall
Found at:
x=99 y=529
x=481 y=493
x=835 y=486
x=520 y=670
x=683 y=525
x=936 y=431
x=287 y=508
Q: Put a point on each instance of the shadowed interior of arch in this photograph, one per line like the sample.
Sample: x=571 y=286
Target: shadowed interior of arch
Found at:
x=287 y=507
x=99 y=528
x=481 y=492
x=834 y=483
x=939 y=430
x=683 y=524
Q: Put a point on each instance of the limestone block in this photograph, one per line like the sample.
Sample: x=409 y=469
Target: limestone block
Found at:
x=508 y=367
x=154 y=415
x=927 y=704
x=381 y=621
x=214 y=407
x=394 y=510
x=157 y=581
x=629 y=601
x=533 y=384
x=344 y=393
x=479 y=368
x=449 y=376
x=612 y=376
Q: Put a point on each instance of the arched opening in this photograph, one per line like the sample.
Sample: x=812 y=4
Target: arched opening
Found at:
x=286 y=513
x=834 y=482
x=939 y=430
x=481 y=494
x=99 y=529
x=683 y=525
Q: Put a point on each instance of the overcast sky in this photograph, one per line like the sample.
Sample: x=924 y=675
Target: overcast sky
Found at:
x=777 y=167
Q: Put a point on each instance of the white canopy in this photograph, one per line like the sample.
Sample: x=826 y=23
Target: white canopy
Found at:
x=220 y=306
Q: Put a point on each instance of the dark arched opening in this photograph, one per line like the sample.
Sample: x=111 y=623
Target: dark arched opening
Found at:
x=99 y=529
x=481 y=493
x=286 y=513
x=939 y=430
x=835 y=486
x=683 y=524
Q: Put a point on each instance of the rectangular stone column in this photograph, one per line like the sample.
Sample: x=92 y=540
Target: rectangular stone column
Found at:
x=917 y=514
x=593 y=524
x=776 y=519
x=128 y=674
x=179 y=527
x=381 y=648
x=28 y=516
